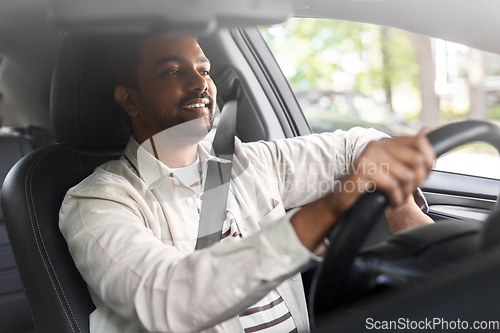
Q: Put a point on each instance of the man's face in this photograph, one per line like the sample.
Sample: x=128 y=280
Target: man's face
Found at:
x=174 y=86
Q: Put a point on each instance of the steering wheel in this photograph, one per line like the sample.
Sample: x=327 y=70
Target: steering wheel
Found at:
x=331 y=287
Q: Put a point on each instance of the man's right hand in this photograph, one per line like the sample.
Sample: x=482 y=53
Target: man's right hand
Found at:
x=393 y=166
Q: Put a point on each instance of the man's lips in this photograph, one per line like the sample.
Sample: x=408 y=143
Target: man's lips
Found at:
x=200 y=103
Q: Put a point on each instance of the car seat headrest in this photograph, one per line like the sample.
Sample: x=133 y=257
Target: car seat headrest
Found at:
x=82 y=105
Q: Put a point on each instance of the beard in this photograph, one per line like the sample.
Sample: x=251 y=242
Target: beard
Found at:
x=179 y=125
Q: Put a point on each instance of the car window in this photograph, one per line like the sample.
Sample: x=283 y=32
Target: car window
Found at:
x=347 y=74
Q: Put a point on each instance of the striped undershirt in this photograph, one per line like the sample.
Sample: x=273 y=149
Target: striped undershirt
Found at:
x=270 y=314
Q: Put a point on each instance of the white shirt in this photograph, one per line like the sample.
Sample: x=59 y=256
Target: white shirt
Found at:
x=270 y=314
x=128 y=236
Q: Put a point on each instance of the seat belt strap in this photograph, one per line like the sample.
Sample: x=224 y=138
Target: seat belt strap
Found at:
x=216 y=189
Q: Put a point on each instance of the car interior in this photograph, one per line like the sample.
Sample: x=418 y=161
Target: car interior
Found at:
x=61 y=122
x=15 y=144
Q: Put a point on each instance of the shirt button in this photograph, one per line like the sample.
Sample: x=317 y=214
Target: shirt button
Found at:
x=287 y=259
x=189 y=200
x=238 y=292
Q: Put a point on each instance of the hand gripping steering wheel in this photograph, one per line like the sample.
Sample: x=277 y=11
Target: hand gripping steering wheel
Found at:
x=331 y=287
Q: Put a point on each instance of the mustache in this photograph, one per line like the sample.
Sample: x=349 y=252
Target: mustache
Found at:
x=195 y=95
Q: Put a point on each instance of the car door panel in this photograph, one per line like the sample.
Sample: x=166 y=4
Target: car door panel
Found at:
x=456 y=196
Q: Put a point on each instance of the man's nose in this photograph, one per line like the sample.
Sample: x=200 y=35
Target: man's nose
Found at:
x=197 y=82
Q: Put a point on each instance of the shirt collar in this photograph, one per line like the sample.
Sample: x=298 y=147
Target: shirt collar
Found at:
x=152 y=171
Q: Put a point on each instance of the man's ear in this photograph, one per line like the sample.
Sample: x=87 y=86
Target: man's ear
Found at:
x=125 y=97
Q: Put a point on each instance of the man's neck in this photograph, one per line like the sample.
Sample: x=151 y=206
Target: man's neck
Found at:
x=176 y=156
x=171 y=152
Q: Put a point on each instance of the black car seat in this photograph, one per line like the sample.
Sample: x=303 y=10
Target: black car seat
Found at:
x=14 y=312
x=90 y=129
x=15 y=142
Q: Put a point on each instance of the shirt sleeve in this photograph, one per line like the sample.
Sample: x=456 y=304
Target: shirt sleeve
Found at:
x=156 y=285
x=307 y=167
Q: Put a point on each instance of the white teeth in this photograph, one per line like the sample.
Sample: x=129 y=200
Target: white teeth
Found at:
x=195 y=106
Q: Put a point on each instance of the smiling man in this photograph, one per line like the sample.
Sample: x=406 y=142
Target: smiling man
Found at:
x=179 y=68
x=131 y=226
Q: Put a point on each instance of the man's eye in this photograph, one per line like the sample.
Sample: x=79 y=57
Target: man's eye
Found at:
x=205 y=73
x=170 y=72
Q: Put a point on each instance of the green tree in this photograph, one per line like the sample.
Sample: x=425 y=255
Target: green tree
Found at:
x=311 y=51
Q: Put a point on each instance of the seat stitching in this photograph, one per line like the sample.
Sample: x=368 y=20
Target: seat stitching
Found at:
x=48 y=259
x=30 y=173
x=36 y=218
x=24 y=289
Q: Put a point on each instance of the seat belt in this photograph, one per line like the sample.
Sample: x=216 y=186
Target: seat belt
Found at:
x=216 y=189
